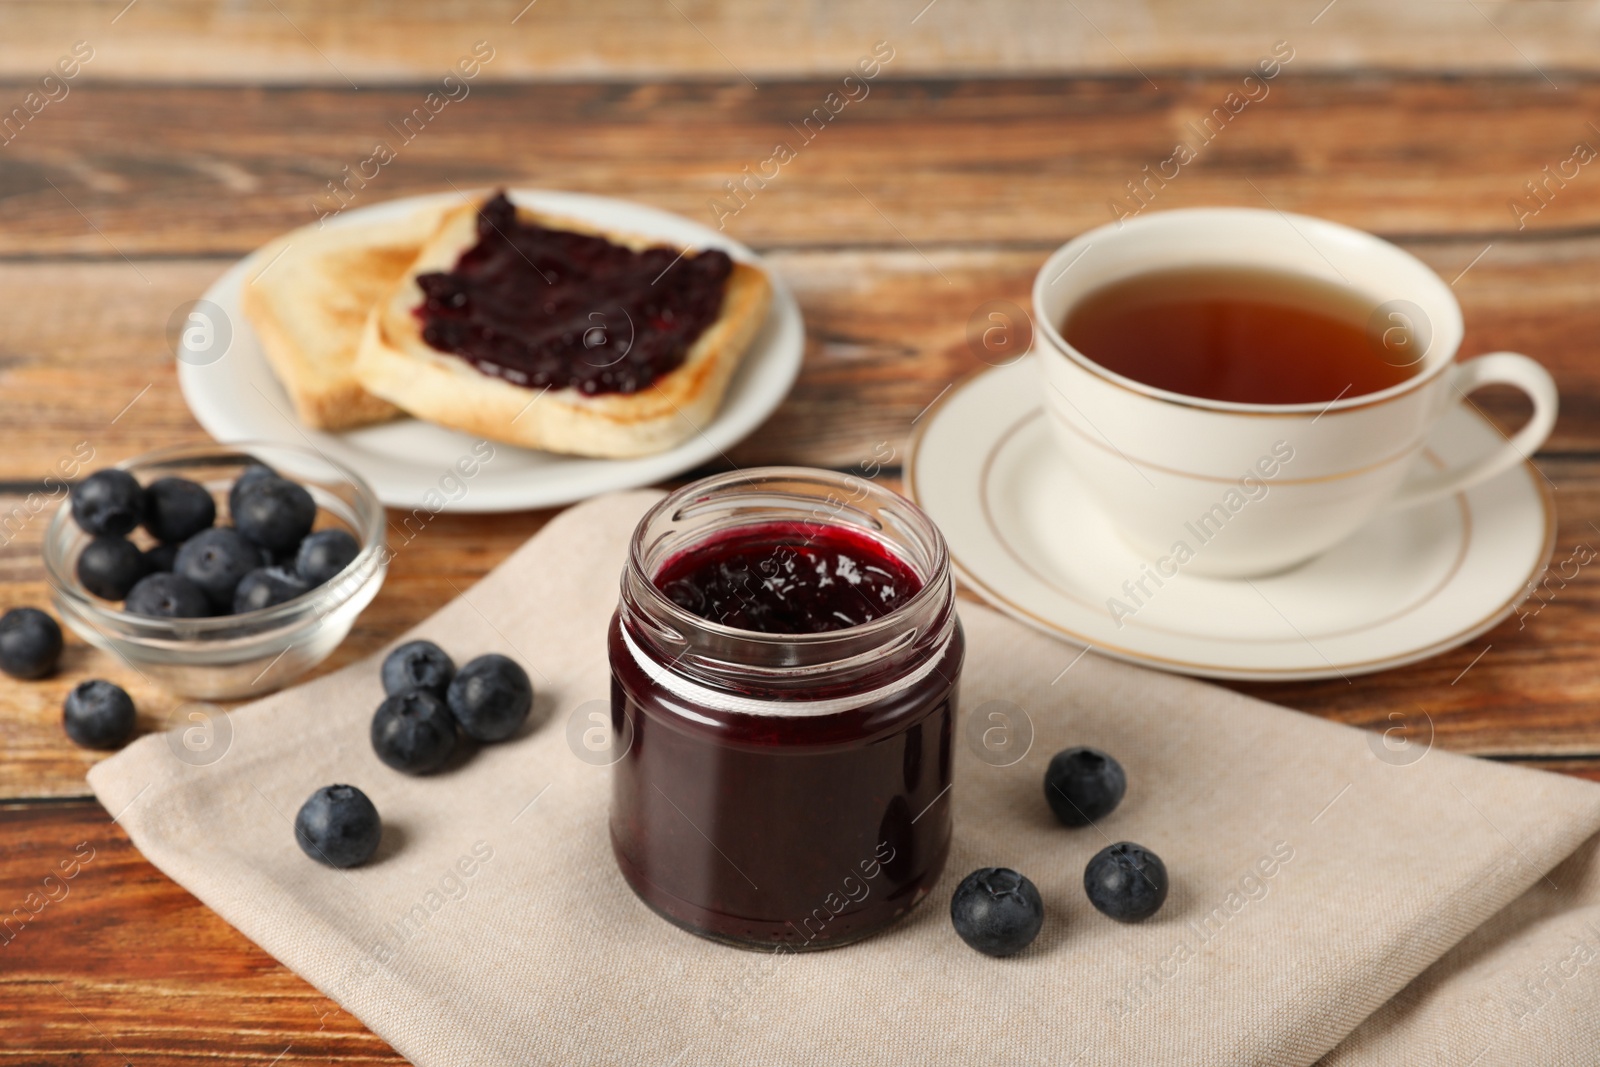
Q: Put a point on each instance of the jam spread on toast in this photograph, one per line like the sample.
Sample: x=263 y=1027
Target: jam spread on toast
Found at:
x=544 y=308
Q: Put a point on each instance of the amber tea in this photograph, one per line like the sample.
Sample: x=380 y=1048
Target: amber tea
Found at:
x=1242 y=334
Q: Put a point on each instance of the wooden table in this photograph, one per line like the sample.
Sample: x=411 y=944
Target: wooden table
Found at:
x=195 y=133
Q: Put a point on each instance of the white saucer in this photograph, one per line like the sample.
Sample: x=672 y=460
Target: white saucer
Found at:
x=1408 y=585
x=236 y=397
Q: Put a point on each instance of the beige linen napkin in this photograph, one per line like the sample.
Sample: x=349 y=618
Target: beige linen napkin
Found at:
x=1315 y=884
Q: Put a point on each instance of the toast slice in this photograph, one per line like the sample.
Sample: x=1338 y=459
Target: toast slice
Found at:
x=309 y=302
x=395 y=363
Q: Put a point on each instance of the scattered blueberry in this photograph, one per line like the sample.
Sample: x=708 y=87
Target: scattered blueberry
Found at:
x=339 y=826
x=160 y=558
x=214 y=561
x=490 y=698
x=1083 y=784
x=98 y=714
x=266 y=586
x=109 y=566
x=274 y=513
x=324 y=554
x=997 y=911
x=1126 y=881
x=413 y=732
x=175 y=509
x=167 y=596
x=108 y=503
x=418 y=665
x=30 y=643
x=246 y=476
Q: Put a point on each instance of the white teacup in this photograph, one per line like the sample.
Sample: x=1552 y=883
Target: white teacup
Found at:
x=1237 y=490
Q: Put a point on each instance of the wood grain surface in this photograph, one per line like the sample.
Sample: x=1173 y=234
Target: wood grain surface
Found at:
x=119 y=965
x=893 y=226
x=199 y=132
x=123 y=173
x=362 y=42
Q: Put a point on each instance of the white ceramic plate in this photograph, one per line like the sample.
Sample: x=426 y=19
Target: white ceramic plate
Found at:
x=236 y=397
x=1410 y=584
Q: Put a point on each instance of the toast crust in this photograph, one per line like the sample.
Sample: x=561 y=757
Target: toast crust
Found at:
x=394 y=363
x=309 y=303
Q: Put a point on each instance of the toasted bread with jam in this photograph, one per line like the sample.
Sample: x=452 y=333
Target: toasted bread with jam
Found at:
x=615 y=412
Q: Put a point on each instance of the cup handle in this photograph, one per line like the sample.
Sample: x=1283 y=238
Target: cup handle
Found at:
x=1501 y=368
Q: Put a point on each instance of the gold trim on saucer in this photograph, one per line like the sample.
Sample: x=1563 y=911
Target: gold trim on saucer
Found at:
x=1464 y=544
x=1459 y=636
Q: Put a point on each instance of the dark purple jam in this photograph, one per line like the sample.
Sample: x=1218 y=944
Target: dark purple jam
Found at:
x=822 y=829
x=789 y=578
x=551 y=308
x=787 y=831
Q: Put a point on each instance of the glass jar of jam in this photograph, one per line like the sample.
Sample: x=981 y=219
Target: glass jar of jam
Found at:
x=784 y=663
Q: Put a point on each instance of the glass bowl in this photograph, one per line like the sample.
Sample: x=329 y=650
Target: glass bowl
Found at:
x=226 y=657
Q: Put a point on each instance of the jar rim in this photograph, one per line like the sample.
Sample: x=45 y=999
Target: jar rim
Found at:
x=936 y=584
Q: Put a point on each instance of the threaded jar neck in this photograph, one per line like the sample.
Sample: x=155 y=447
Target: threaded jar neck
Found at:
x=786 y=666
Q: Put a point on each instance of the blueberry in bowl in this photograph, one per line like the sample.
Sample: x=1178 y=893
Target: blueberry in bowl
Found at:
x=266 y=587
x=324 y=554
x=224 y=613
x=250 y=473
x=175 y=509
x=160 y=558
x=109 y=566
x=274 y=512
x=215 y=561
x=164 y=595
x=108 y=503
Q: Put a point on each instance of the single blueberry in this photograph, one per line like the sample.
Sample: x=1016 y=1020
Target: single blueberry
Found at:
x=997 y=911
x=275 y=513
x=160 y=558
x=246 y=476
x=417 y=665
x=98 y=714
x=1126 y=881
x=215 y=561
x=30 y=643
x=175 y=509
x=284 y=561
x=108 y=503
x=167 y=596
x=264 y=587
x=1083 y=784
x=324 y=554
x=490 y=698
x=339 y=826
x=413 y=732
x=109 y=566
